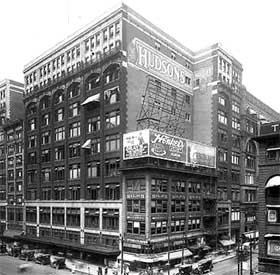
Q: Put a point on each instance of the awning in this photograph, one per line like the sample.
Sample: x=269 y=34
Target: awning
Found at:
x=93 y=98
x=175 y=255
x=87 y=144
x=226 y=242
x=274 y=181
x=251 y=234
x=272 y=235
x=12 y=233
x=273 y=149
x=156 y=257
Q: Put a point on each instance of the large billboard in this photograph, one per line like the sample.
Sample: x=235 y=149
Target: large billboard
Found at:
x=151 y=143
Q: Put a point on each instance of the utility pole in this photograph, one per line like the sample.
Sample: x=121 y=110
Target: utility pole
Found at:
x=121 y=239
x=251 y=260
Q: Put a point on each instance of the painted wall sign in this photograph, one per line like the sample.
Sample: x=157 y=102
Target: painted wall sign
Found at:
x=150 y=143
x=201 y=154
x=154 y=62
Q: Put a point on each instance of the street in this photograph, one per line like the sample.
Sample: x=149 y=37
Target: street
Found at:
x=229 y=266
x=9 y=266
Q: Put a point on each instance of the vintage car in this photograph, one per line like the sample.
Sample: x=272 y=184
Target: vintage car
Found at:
x=27 y=254
x=202 y=267
x=57 y=261
x=42 y=258
x=13 y=249
x=3 y=248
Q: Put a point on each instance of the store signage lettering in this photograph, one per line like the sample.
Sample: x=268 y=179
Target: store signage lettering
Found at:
x=167 y=147
x=135 y=196
x=151 y=61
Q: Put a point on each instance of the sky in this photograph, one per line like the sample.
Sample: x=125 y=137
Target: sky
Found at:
x=248 y=29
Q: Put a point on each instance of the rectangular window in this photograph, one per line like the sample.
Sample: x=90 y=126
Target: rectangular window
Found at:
x=59 y=114
x=222 y=101
x=92 y=218
x=74 y=150
x=58 y=216
x=60 y=133
x=112 y=119
x=73 y=216
x=222 y=136
x=93 y=192
x=93 y=169
x=235 y=123
x=46 y=155
x=222 y=155
x=222 y=117
x=235 y=107
x=93 y=124
x=112 y=143
x=74 y=192
x=112 y=191
x=45 y=119
x=112 y=167
x=75 y=129
x=46 y=174
x=59 y=173
x=110 y=219
x=74 y=109
x=74 y=171
x=235 y=158
x=59 y=153
x=59 y=193
x=46 y=138
x=112 y=96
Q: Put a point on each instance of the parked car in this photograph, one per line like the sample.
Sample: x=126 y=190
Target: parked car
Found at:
x=202 y=267
x=27 y=254
x=42 y=258
x=13 y=249
x=3 y=248
x=57 y=261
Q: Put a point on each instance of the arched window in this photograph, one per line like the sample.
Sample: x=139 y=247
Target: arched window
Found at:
x=58 y=96
x=272 y=191
x=31 y=109
x=92 y=81
x=111 y=73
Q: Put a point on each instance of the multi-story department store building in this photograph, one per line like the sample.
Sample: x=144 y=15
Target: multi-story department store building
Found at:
x=118 y=75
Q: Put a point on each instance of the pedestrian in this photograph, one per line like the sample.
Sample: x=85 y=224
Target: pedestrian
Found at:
x=99 y=272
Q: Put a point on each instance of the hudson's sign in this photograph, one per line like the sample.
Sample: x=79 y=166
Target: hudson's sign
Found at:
x=153 y=62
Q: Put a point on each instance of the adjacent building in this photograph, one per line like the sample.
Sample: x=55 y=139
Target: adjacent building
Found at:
x=11 y=110
x=11 y=97
x=269 y=197
x=226 y=115
x=116 y=76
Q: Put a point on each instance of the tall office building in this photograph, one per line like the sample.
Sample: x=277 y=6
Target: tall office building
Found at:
x=11 y=109
x=226 y=115
x=84 y=100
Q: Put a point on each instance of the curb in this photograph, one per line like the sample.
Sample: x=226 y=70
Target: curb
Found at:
x=223 y=259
